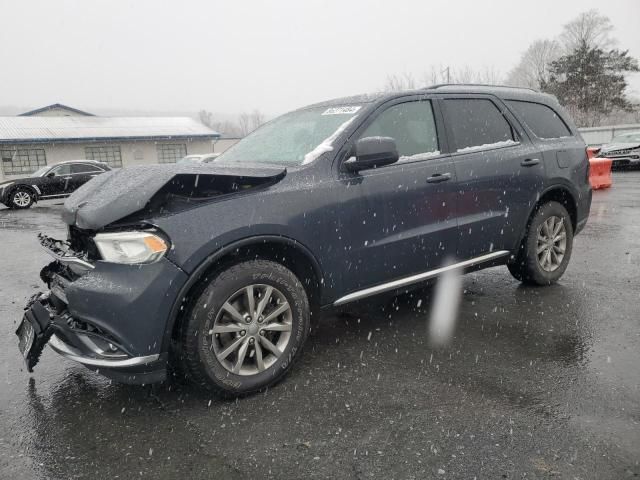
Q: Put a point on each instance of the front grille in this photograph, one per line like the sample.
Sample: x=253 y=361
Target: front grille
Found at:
x=624 y=151
x=81 y=241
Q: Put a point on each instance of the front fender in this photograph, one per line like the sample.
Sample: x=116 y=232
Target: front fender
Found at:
x=197 y=273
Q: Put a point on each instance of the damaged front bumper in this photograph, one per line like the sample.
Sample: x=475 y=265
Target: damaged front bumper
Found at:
x=44 y=322
x=109 y=317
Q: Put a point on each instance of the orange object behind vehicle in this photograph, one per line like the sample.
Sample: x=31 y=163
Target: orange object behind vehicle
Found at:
x=600 y=172
x=592 y=152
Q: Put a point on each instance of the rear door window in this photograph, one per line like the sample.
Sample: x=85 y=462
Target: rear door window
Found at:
x=412 y=126
x=84 y=168
x=476 y=124
x=542 y=120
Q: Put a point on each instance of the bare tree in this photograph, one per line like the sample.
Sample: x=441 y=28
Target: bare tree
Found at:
x=589 y=28
x=244 y=124
x=533 y=69
x=206 y=118
x=396 y=83
x=434 y=76
x=257 y=119
x=248 y=122
x=466 y=74
x=227 y=128
x=443 y=74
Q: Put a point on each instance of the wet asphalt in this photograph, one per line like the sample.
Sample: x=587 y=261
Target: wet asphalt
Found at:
x=538 y=383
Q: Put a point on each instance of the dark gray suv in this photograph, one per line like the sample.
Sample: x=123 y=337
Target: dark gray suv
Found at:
x=218 y=270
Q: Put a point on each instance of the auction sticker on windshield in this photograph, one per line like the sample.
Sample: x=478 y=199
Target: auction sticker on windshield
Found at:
x=341 y=110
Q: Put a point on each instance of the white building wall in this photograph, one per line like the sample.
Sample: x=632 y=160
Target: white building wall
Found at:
x=133 y=153
x=223 y=144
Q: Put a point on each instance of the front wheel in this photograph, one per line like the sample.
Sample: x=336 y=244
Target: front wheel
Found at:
x=21 y=198
x=544 y=253
x=246 y=328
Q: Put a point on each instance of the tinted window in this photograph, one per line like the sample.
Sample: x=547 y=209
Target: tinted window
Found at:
x=62 y=170
x=411 y=125
x=476 y=123
x=542 y=120
x=84 y=168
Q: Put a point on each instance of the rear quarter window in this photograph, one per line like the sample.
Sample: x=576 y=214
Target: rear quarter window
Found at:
x=84 y=168
x=542 y=120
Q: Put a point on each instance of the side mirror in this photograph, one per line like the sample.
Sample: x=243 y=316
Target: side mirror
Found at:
x=373 y=152
x=51 y=174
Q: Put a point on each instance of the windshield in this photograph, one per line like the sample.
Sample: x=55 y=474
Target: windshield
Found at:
x=296 y=138
x=41 y=171
x=627 y=138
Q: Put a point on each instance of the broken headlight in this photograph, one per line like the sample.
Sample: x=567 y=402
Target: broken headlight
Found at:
x=130 y=247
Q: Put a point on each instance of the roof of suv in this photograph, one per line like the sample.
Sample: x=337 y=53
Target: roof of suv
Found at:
x=502 y=91
x=97 y=162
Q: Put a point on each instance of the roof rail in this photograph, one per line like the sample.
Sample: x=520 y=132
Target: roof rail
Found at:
x=439 y=85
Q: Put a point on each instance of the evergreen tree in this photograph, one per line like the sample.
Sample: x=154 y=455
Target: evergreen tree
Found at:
x=590 y=82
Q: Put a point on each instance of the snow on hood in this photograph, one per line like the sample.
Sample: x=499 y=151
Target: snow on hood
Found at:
x=116 y=194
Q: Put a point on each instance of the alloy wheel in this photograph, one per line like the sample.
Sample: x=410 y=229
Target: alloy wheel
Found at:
x=252 y=329
x=552 y=243
x=21 y=198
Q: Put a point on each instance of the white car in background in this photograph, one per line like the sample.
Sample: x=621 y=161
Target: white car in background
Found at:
x=623 y=150
x=206 y=158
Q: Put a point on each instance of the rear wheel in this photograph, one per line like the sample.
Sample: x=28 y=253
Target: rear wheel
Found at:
x=246 y=328
x=21 y=198
x=544 y=253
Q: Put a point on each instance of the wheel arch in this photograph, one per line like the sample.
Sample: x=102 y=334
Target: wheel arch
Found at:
x=563 y=195
x=24 y=186
x=284 y=250
x=559 y=193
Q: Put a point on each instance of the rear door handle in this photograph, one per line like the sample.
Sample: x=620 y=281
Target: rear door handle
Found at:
x=529 y=162
x=439 y=177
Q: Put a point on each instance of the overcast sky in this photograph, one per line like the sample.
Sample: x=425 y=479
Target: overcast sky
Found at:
x=238 y=55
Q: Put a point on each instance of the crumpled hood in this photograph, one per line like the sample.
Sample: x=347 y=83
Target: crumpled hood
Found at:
x=612 y=147
x=116 y=194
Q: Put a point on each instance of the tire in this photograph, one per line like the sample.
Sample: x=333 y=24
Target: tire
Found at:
x=21 y=198
x=202 y=351
x=549 y=265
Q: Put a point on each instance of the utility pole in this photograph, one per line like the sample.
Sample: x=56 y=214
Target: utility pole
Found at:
x=448 y=74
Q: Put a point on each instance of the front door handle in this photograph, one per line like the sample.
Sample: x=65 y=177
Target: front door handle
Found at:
x=439 y=177
x=529 y=162
x=67 y=178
